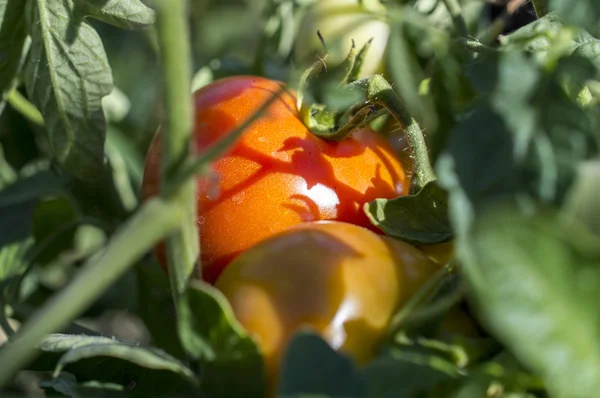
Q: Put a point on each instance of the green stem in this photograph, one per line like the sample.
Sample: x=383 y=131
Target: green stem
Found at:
x=455 y=11
x=175 y=55
x=23 y=106
x=4 y=324
x=380 y=92
x=422 y=295
x=540 y=7
x=155 y=220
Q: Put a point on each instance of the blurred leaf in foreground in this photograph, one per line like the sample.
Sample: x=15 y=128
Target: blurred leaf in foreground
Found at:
x=312 y=368
x=535 y=285
x=583 y=13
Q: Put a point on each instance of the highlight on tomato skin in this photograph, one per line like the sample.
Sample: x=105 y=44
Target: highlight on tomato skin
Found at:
x=341 y=280
x=278 y=174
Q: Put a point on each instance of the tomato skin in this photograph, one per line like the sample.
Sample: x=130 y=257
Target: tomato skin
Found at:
x=341 y=280
x=278 y=174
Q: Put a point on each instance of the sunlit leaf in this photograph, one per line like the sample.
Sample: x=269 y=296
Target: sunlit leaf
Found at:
x=126 y=14
x=418 y=219
x=66 y=76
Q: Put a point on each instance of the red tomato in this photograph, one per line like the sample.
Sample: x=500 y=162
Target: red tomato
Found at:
x=278 y=174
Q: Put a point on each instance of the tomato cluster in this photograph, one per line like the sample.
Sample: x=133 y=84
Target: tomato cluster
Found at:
x=278 y=174
x=282 y=230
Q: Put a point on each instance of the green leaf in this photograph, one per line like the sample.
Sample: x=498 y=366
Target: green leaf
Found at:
x=539 y=35
x=49 y=221
x=134 y=161
x=13 y=260
x=12 y=41
x=535 y=284
x=66 y=76
x=125 y=14
x=312 y=368
x=406 y=375
x=107 y=360
x=406 y=76
x=417 y=219
x=18 y=202
x=581 y=203
x=156 y=308
x=535 y=131
x=582 y=13
x=67 y=384
x=210 y=332
x=591 y=51
x=30 y=188
x=489 y=171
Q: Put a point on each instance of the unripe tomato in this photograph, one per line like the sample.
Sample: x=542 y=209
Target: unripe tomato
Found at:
x=340 y=22
x=278 y=174
x=341 y=280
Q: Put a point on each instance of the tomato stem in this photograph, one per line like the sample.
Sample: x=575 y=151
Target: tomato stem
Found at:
x=155 y=220
x=422 y=295
x=455 y=11
x=380 y=92
x=175 y=55
x=24 y=107
x=366 y=99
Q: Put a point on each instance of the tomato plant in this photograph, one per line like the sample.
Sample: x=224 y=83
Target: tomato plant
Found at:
x=278 y=173
x=338 y=279
x=461 y=260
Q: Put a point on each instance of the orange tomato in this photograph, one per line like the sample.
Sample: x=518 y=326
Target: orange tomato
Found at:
x=341 y=280
x=277 y=174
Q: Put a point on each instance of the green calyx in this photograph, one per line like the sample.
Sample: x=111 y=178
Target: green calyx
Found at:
x=330 y=102
x=333 y=104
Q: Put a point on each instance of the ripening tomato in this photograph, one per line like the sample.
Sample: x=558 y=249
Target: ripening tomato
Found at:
x=278 y=173
x=341 y=280
x=340 y=22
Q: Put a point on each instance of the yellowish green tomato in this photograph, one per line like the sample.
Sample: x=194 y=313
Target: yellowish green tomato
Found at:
x=340 y=22
x=341 y=280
